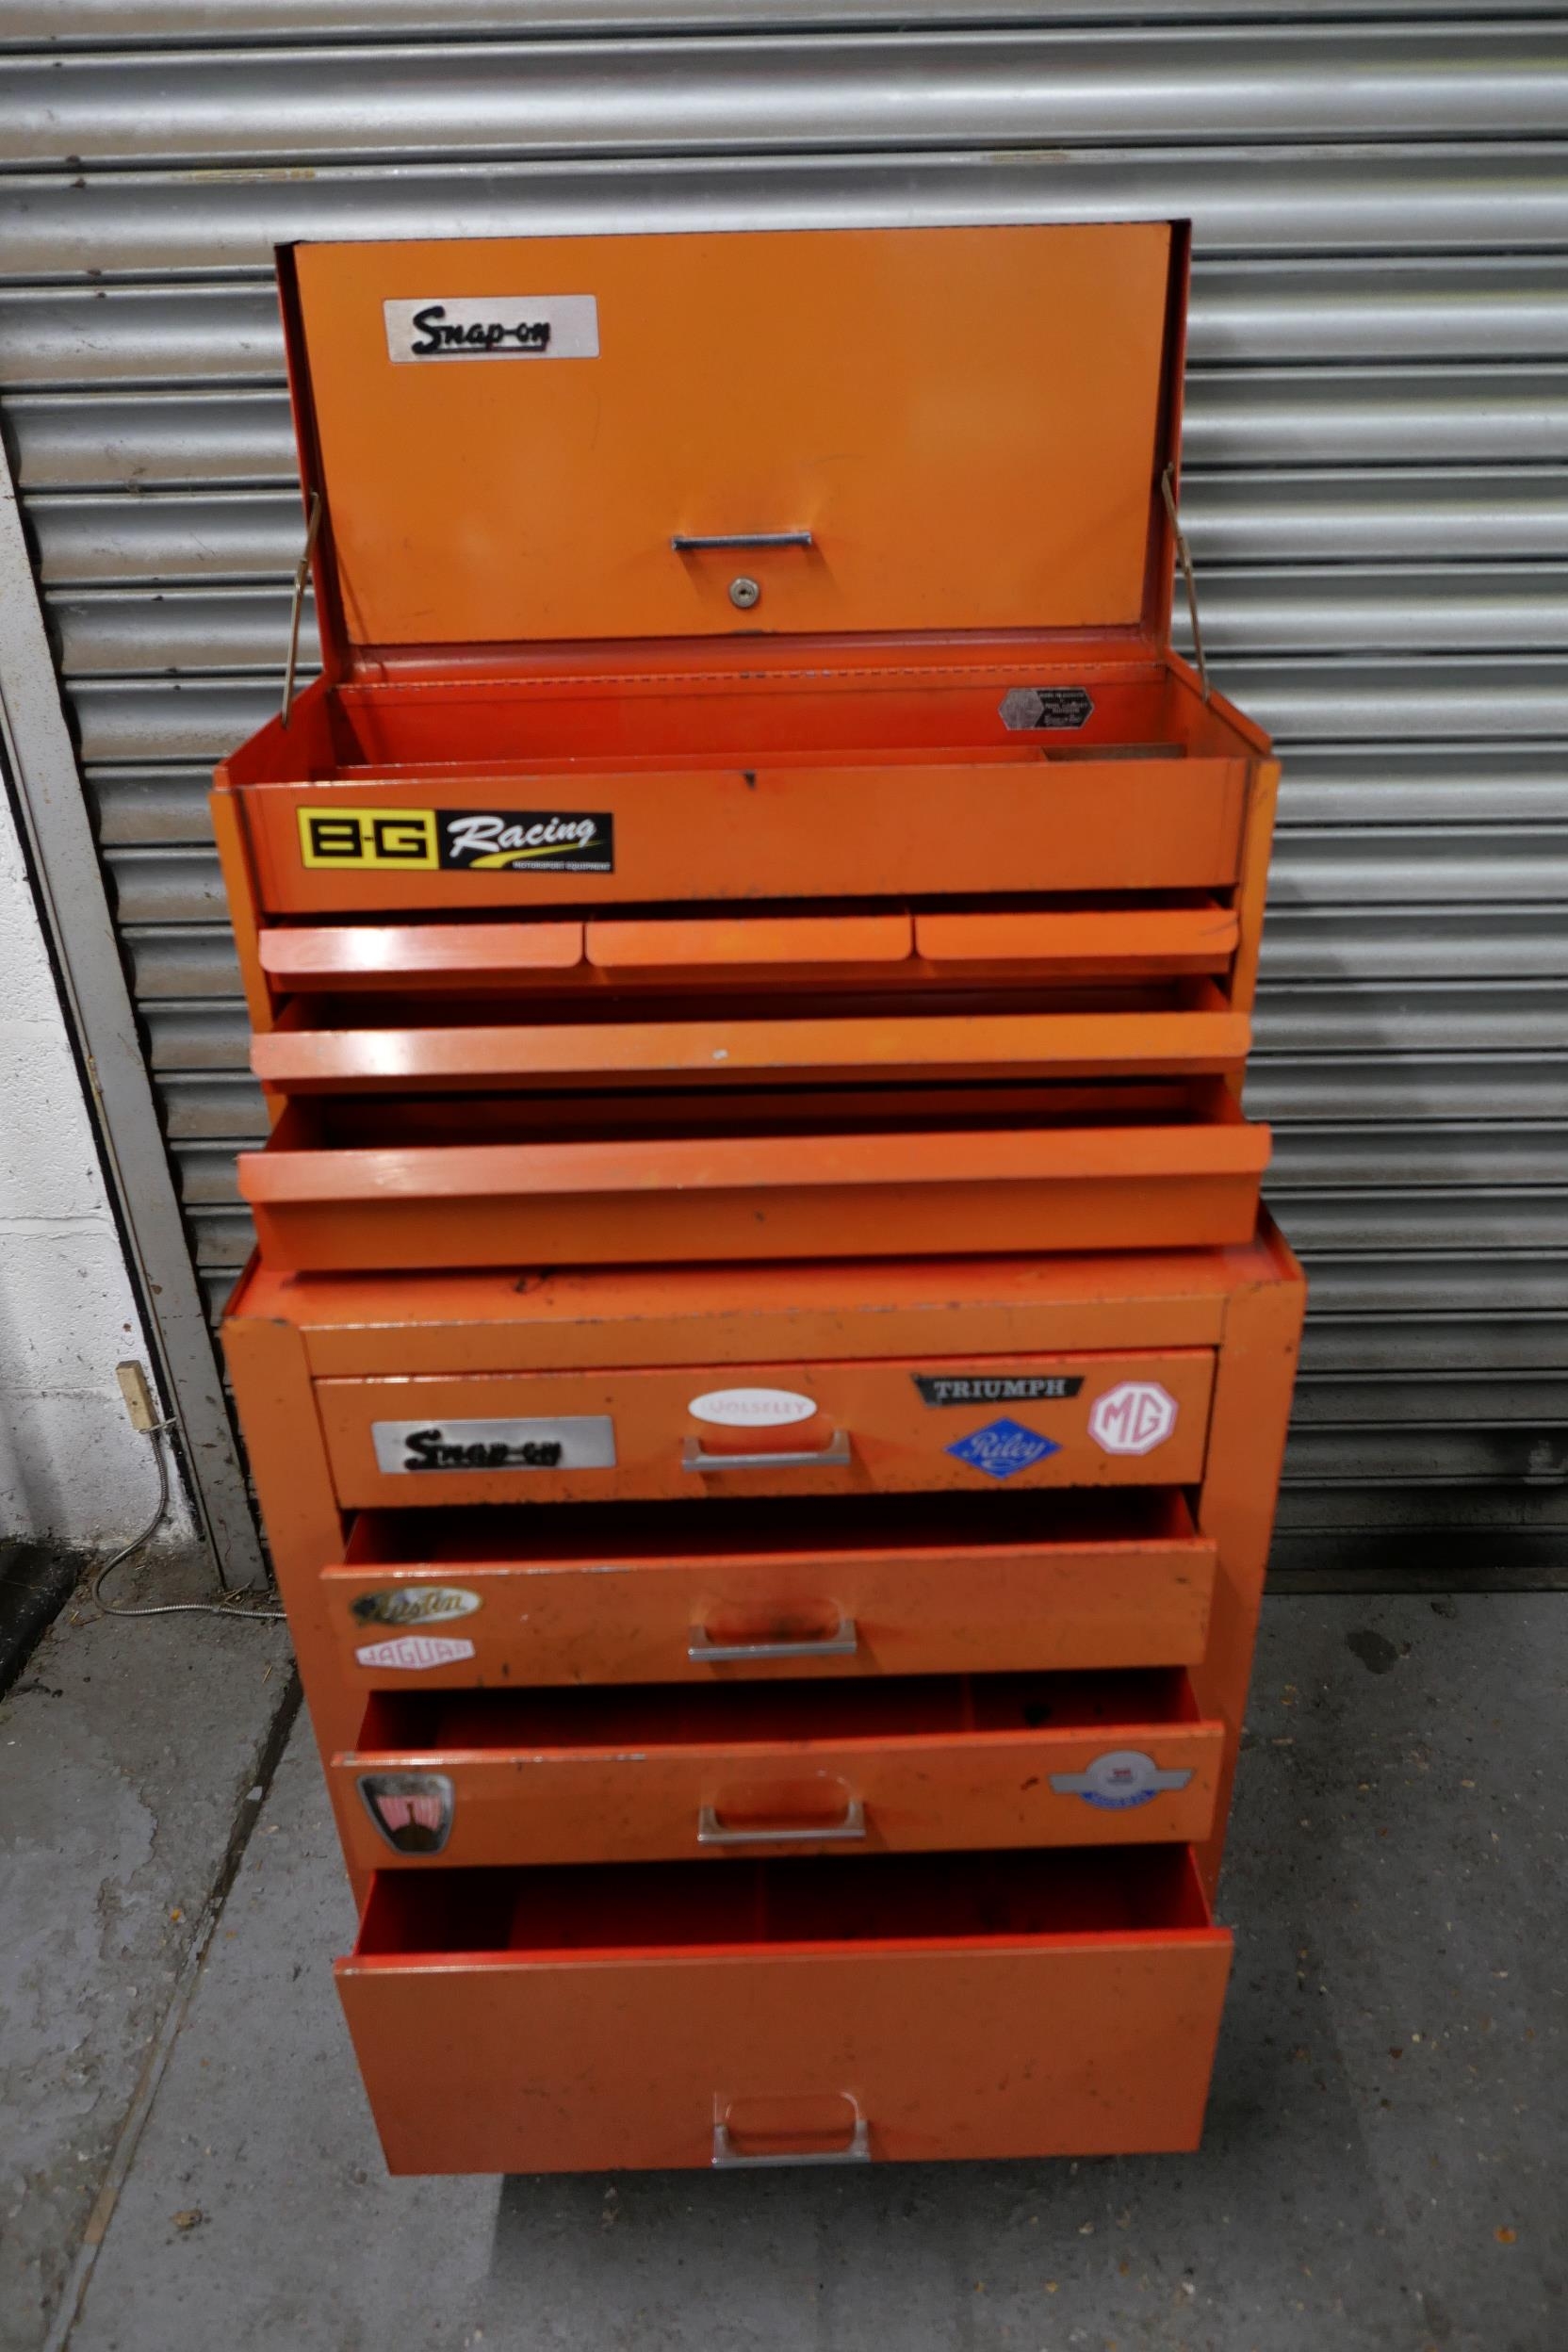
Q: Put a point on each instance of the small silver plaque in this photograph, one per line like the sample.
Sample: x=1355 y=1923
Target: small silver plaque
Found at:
x=582 y=1440
x=493 y=326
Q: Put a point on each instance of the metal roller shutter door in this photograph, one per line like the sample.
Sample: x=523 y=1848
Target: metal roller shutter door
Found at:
x=1378 y=422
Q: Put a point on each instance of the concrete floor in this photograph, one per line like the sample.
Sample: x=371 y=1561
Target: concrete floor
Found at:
x=1378 y=2174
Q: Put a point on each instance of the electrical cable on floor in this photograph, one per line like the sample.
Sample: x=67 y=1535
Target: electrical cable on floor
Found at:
x=230 y=1609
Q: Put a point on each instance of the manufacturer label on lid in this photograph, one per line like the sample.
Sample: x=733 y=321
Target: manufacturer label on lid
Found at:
x=752 y=1408
x=493 y=326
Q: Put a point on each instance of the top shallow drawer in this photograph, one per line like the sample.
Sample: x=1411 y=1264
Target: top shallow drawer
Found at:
x=606 y=832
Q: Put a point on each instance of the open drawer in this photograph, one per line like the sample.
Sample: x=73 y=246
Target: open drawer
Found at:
x=389 y=1045
x=900 y=2007
x=1122 y=1418
x=349 y=1185
x=738 y=1592
x=657 y=1772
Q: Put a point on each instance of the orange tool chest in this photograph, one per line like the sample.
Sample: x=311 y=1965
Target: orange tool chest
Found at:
x=765 y=1371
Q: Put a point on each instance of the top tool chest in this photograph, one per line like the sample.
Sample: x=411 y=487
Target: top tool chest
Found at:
x=751 y=807
x=764 y=1369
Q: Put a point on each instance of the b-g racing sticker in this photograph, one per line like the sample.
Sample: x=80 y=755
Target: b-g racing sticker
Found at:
x=459 y=841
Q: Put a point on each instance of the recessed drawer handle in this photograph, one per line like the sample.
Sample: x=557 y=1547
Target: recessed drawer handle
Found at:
x=856 y=2149
x=704 y=1651
x=694 y=543
x=711 y=1830
x=835 y=1455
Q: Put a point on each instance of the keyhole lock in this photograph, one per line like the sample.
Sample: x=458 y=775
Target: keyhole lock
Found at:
x=744 y=593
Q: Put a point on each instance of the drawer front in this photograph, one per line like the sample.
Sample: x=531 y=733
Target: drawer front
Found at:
x=1132 y=1419
x=892 y=827
x=1077 y=2040
x=663 y=1776
x=662 y=1614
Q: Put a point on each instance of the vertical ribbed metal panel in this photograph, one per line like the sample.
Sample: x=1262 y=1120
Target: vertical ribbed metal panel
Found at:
x=1378 y=424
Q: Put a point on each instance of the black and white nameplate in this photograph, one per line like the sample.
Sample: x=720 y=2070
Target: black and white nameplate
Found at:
x=493 y=326
x=582 y=1441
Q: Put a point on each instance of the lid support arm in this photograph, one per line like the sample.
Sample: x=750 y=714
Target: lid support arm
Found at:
x=301 y=574
x=1183 y=557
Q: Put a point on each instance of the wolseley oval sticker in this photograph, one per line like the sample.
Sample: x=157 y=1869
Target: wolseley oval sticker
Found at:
x=415 y=1605
x=752 y=1408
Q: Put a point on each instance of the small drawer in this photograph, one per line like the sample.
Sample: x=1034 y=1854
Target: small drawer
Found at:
x=659 y=1773
x=1121 y=1419
x=721 y=1591
x=900 y=2007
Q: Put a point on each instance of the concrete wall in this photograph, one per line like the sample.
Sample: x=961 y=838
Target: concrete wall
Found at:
x=71 y=1465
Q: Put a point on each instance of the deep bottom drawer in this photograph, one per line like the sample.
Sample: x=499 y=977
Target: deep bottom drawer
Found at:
x=730 y=1590
x=902 y=2007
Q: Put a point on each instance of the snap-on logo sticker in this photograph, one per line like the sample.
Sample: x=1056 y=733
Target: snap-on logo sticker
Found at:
x=1132 y=1418
x=415 y=1653
x=414 y=1605
x=412 y=1810
x=574 y=1441
x=1003 y=1447
x=1120 y=1778
x=493 y=326
x=752 y=1408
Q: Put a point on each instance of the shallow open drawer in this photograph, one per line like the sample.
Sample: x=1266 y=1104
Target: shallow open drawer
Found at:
x=389 y=1044
x=740 y=1592
x=901 y=2007
x=449 y=1778
x=361 y=1186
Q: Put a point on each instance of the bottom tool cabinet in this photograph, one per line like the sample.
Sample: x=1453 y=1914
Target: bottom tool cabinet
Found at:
x=784 y=1713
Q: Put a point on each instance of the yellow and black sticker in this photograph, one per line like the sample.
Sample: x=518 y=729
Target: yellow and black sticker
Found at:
x=370 y=837
x=463 y=840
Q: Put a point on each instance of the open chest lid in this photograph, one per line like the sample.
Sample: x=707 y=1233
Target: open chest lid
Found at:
x=866 y=432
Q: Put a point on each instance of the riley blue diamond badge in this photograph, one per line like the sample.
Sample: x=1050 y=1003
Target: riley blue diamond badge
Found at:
x=1003 y=1447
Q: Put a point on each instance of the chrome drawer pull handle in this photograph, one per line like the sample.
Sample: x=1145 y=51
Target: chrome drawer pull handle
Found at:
x=704 y=1651
x=855 y=2151
x=833 y=1455
x=711 y=1830
x=695 y=543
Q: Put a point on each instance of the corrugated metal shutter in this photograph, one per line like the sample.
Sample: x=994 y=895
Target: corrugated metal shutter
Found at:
x=1378 y=423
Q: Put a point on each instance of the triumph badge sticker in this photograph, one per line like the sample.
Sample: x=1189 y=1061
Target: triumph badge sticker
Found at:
x=414 y=1605
x=996 y=1388
x=1132 y=1418
x=412 y=1810
x=1118 y=1780
x=582 y=1440
x=492 y=326
x=1003 y=1447
x=415 y=1653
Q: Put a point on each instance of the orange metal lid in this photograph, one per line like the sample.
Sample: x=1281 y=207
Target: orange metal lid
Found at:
x=900 y=430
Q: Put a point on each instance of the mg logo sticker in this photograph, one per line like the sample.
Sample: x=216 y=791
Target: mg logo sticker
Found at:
x=1132 y=1418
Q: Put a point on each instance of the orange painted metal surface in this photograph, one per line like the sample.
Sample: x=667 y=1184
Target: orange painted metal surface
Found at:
x=966 y=2005
x=590 y=1597
x=765 y=1342
x=994 y=474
